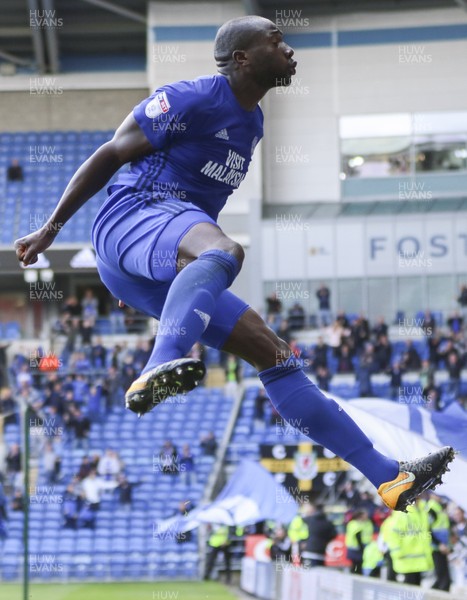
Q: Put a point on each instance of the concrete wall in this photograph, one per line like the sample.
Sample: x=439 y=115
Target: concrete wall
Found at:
x=64 y=109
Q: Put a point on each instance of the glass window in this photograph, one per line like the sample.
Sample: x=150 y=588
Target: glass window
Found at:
x=381 y=298
x=376 y=157
x=410 y=296
x=403 y=144
x=440 y=153
x=350 y=296
x=442 y=293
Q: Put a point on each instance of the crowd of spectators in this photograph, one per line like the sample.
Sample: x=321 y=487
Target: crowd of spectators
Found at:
x=170 y=462
x=354 y=346
x=65 y=399
x=77 y=322
x=368 y=532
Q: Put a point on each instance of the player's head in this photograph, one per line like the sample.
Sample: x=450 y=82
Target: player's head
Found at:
x=254 y=47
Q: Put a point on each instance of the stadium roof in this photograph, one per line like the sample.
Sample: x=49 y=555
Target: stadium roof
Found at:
x=92 y=34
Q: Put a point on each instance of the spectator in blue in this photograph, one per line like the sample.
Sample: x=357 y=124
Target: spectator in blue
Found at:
x=116 y=316
x=86 y=516
x=80 y=362
x=324 y=305
x=187 y=466
x=70 y=507
x=89 y=306
x=80 y=384
x=455 y=322
x=98 y=355
x=95 y=408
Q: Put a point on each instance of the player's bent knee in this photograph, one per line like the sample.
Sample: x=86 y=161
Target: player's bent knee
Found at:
x=233 y=248
x=282 y=352
x=271 y=351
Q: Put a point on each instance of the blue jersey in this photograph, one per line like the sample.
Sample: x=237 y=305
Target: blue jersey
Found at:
x=203 y=143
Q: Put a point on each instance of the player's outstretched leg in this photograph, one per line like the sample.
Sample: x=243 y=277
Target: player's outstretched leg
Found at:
x=211 y=261
x=299 y=401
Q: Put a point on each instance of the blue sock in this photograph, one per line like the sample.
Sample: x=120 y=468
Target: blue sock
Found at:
x=190 y=304
x=298 y=400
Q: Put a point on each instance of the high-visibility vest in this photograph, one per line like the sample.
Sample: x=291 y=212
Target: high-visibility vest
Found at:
x=354 y=527
x=219 y=537
x=231 y=374
x=440 y=526
x=408 y=538
x=298 y=529
x=372 y=557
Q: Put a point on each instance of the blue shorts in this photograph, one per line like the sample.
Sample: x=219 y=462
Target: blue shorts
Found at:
x=136 y=241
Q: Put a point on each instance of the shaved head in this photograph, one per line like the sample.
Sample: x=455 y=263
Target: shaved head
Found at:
x=252 y=53
x=238 y=34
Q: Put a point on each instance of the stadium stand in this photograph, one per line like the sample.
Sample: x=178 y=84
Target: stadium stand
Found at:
x=28 y=203
x=120 y=543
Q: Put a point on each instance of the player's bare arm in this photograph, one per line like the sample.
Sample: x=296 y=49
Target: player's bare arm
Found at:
x=128 y=143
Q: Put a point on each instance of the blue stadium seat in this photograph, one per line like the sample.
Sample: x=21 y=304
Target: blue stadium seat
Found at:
x=10 y=566
x=82 y=566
